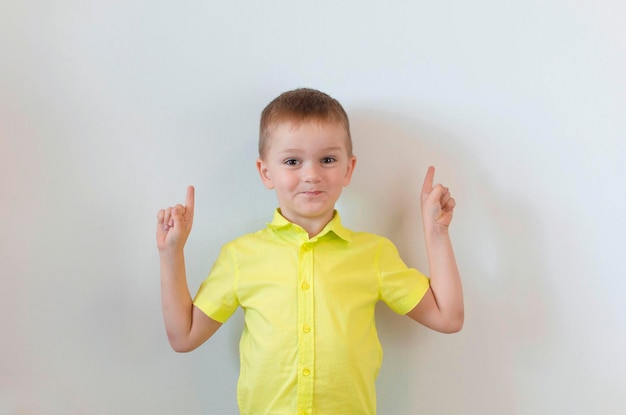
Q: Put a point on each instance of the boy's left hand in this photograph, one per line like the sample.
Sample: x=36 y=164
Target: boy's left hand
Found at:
x=437 y=204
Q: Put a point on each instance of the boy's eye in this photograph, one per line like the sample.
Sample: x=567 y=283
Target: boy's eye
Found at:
x=291 y=162
x=328 y=160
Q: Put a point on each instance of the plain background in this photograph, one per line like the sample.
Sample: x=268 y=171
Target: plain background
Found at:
x=109 y=109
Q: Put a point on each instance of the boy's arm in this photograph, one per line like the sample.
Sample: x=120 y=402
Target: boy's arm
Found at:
x=441 y=308
x=187 y=326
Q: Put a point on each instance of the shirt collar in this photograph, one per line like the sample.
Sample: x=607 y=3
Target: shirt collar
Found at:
x=280 y=223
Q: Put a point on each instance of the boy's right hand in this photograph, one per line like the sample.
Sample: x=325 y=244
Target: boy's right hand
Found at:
x=174 y=224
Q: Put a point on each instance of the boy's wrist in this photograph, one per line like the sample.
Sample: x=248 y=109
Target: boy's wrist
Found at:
x=436 y=231
x=171 y=253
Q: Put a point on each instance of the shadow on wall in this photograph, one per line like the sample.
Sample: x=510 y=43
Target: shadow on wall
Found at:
x=498 y=248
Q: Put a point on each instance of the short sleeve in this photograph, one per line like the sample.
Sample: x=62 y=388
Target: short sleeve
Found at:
x=216 y=296
x=401 y=287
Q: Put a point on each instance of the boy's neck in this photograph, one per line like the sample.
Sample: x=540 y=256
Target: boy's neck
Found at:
x=313 y=226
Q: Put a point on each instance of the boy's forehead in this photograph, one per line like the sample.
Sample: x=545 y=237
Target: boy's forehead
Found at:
x=291 y=128
x=288 y=128
x=293 y=125
x=291 y=137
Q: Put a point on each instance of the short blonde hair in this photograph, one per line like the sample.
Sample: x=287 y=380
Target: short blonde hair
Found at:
x=297 y=106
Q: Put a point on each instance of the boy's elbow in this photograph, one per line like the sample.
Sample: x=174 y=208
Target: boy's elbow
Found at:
x=454 y=328
x=183 y=341
x=455 y=324
x=450 y=324
x=179 y=348
x=179 y=345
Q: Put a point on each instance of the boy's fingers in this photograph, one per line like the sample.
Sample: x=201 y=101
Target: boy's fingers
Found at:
x=168 y=220
x=160 y=215
x=190 y=200
x=162 y=225
x=445 y=196
x=428 y=180
x=450 y=204
x=177 y=214
x=437 y=194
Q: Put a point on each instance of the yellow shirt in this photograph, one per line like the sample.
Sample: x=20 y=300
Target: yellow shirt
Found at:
x=309 y=344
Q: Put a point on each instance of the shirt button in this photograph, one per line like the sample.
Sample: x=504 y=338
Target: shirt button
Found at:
x=306 y=372
x=305 y=286
x=306 y=328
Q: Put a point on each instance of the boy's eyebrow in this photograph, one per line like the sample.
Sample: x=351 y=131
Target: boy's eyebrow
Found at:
x=300 y=150
x=333 y=148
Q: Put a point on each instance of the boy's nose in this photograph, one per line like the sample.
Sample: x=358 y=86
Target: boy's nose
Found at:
x=310 y=174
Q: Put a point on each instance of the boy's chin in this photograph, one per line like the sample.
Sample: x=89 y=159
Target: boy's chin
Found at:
x=310 y=214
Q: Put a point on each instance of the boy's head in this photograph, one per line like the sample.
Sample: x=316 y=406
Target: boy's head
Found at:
x=298 y=106
x=305 y=155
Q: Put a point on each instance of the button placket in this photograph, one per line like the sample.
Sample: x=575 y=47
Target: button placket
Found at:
x=306 y=344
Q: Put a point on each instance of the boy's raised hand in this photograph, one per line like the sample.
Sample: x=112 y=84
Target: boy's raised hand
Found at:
x=174 y=224
x=437 y=204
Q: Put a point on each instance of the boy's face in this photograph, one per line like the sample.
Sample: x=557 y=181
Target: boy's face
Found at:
x=307 y=164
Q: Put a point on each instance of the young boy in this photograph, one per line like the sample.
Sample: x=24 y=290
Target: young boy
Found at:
x=307 y=285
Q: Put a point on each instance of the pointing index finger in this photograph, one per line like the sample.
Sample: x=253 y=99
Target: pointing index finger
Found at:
x=428 y=180
x=189 y=201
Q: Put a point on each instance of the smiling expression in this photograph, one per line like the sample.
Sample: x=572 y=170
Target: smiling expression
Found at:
x=308 y=165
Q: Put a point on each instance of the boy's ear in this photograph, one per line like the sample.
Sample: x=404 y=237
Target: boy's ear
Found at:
x=349 y=171
x=264 y=173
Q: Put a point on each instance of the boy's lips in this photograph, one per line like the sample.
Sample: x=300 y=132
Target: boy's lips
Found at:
x=312 y=192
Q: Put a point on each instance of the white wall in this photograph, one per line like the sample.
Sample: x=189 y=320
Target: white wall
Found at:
x=108 y=109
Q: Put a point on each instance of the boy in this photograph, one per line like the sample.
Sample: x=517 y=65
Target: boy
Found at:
x=308 y=286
